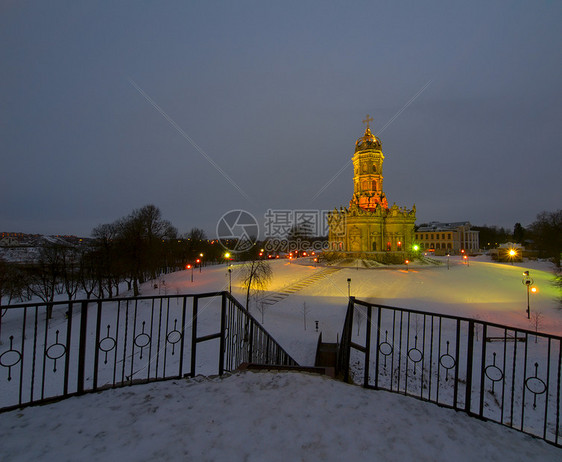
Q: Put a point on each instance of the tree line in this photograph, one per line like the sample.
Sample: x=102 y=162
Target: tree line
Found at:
x=130 y=250
x=543 y=235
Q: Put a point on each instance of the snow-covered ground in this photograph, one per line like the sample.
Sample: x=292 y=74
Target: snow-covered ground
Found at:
x=257 y=417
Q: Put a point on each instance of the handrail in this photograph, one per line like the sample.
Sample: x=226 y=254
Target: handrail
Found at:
x=458 y=362
x=90 y=345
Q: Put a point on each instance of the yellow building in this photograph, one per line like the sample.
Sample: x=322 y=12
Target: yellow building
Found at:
x=448 y=238
x=369 y=228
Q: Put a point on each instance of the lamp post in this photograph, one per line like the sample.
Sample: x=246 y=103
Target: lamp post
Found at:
x=348 y=287
x=190 y=267
x=448 y=255
x=201 y=261
x=230 y=281
x=528 y=281
x=198 y=261
x=407 y=265
x=226 y=257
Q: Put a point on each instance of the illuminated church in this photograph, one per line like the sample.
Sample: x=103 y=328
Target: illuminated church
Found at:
x=369 y=228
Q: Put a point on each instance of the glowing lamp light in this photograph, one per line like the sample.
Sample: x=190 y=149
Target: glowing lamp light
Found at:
x=187 y=266
x=416 y=248
x=407 y=261
x=226 y=255
x=198 y=261
x=512 y=253
x=534 y=290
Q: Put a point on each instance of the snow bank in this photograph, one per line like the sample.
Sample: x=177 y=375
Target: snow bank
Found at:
x=256 y=417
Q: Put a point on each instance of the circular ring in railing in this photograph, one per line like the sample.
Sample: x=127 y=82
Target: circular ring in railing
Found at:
x=10 y=358
x=173 y=337
x=415 y=355
x=56 y=351
x=534 y=384
x=107 y=344
x=142 y=340
x=447 y=361
x=385 y=348
x=493 y=372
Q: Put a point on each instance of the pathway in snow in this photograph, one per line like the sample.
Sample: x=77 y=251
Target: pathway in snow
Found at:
x=275 y=297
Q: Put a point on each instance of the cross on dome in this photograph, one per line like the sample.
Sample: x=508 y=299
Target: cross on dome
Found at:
x=367 y=120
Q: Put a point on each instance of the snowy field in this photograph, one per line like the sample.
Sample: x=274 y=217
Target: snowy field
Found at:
x=257 y=417
x=483 y=290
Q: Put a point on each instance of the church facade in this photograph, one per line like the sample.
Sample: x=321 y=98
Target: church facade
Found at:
x=369 y=228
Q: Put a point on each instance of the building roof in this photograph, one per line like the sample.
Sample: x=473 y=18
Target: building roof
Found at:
x=437 y=226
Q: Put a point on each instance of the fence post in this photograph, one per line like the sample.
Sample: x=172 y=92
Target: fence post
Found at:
x=469 y=361
x=367 y=347
x=346 y=344
x=82 y=347
x=194 y=336
x=222 y=338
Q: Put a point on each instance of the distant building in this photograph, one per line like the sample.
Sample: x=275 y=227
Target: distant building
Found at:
x=508 y=252
x=448 y=238
x=369 y=228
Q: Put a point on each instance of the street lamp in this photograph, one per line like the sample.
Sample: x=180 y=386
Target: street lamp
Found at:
x=227 y=257
x=190 y=267
x=407 y=265
x=512 y=254
x=230 y=281
x=198 y=261
x=348 y=287
x=528 y=281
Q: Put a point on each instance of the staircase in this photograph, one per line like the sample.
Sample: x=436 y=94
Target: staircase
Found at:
x=276 y=297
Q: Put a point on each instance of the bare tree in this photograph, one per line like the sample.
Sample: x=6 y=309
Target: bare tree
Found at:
x=256 y=275
x=536 y=322
x=45 y=276
x=69 y=260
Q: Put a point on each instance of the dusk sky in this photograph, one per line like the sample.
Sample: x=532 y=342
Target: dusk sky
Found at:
x=200 y=107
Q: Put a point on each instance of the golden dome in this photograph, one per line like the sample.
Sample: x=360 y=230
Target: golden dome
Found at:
x=367 y=141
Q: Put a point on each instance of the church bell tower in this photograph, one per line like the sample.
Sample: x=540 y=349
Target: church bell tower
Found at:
x=367 y=171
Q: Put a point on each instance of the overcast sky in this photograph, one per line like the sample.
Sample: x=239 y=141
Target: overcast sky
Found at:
x=200 y=107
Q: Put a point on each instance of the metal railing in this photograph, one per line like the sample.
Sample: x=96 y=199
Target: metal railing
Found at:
x=90 y=345
x=504 y=374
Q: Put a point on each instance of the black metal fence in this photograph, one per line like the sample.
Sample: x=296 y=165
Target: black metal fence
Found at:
x=90 y=345
x=499 y=373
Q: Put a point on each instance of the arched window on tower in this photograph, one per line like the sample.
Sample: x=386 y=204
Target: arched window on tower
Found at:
x=374 y=168
x=374 y=247
x=365 y=184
